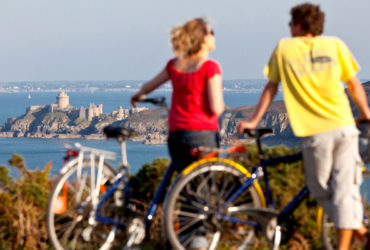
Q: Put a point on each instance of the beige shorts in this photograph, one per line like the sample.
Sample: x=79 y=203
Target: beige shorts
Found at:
x=332 y=167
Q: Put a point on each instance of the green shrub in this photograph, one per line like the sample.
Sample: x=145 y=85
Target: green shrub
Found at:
x=23 y=201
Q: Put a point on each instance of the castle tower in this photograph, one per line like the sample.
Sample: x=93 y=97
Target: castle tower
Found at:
x=82 y=113
x=90 y=111
x=62 y=100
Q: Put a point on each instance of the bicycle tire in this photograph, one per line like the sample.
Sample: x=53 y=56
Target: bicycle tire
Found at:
x=207 y=184
x=66 y=228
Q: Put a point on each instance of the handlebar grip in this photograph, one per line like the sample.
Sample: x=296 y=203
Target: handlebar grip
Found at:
x=258 y=132
x=159 y=101
x=364 y=122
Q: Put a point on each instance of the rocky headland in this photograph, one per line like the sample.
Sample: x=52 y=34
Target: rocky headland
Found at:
x=150 y=125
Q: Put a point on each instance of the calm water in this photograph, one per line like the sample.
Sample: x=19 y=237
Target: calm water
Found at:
x=37 y=152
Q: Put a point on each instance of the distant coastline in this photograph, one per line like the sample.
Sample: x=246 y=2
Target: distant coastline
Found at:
x=63 y=121
x=151 y=126
x=245 y=85
x=251 y=85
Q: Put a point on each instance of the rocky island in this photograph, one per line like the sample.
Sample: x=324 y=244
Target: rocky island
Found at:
x=62 y=121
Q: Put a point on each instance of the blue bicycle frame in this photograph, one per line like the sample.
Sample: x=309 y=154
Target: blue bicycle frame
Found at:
x=288 y=209
x=158 y=197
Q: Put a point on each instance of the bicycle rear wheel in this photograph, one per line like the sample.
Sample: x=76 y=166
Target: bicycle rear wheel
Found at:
x=194 y=206
x=328 y=231
x=70 y=215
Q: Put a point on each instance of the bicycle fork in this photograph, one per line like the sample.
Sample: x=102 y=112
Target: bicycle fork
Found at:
x=158 y=196
x=289 y=209
x=136 y=228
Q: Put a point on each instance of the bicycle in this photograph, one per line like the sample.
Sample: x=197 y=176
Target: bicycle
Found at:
x=206 y=182
x=89 y=205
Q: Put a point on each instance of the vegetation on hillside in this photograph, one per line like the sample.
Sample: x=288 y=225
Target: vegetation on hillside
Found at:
x=22 y=207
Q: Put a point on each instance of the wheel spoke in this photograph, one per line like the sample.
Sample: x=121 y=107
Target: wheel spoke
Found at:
x=69 y=228
x=189 y=214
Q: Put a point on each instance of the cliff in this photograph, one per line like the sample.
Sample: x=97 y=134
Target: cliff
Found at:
x=151 y=125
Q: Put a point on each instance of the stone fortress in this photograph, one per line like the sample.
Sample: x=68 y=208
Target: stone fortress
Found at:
x=62 y=105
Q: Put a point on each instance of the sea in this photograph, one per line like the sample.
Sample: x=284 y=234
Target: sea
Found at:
x=38 y=152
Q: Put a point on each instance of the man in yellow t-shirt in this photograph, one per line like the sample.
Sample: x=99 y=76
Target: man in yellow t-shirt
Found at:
x=311 y=68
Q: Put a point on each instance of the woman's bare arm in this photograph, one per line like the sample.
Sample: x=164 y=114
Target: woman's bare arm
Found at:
x=151 y=85
x=216 y=100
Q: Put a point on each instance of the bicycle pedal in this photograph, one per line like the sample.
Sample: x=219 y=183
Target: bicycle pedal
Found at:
x=136 y=232
x=86 y=233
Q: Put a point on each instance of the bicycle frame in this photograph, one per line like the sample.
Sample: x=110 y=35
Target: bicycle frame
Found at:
x=158 y=196
x=259 y=171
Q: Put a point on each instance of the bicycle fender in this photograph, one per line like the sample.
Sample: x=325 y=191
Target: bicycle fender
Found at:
x=236 y=165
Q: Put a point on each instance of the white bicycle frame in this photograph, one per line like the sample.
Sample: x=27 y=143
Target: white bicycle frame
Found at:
x=91 y=154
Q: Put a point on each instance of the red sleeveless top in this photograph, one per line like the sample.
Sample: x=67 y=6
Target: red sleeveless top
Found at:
x=190 y=104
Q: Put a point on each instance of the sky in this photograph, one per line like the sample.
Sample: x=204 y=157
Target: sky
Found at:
x=74 y=40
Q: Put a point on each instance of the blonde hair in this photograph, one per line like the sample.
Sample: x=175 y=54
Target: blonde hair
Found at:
x=187 y=39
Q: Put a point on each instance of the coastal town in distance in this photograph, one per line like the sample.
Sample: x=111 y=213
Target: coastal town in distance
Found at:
x=252 y=85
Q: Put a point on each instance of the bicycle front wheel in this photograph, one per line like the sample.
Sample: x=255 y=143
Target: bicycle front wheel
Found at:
x=196 y=213
x=70 y=214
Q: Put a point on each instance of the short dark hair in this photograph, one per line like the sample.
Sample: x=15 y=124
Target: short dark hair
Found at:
x=310 y=17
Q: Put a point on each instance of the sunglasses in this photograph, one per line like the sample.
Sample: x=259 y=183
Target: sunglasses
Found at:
x=212 y=32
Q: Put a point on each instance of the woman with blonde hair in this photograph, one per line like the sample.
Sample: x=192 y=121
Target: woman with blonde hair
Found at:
x=197 y=94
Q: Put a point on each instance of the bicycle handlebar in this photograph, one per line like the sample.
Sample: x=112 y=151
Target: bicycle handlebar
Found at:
x=158 y=101
x=364 y=122
x=258 y=132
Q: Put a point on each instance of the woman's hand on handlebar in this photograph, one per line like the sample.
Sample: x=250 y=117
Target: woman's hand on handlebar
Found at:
x=136 y=98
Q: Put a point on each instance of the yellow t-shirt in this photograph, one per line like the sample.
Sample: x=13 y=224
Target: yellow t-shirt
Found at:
x=311 y=70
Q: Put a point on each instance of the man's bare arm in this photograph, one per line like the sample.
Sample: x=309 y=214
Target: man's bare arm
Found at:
x=358 y=95
x=267 y=95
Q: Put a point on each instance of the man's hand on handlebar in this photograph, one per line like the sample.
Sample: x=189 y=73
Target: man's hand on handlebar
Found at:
x=245 y=125
x=362 y=119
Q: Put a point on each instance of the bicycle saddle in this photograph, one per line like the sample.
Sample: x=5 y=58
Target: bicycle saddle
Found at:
x=118 y=133
x=258 y=132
